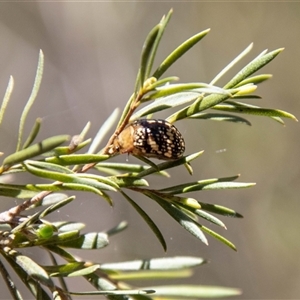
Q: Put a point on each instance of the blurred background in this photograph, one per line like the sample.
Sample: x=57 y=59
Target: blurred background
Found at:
x=92 y=53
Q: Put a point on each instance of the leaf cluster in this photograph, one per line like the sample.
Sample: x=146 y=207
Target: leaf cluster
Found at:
x=65 y=168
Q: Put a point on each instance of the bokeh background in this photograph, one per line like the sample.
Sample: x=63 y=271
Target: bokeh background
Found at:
x=92 y=53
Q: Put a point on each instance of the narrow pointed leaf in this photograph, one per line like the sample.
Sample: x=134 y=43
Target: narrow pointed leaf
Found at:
x=67 y=178
x=33 y=269
x=220 y=117
x=201 y=213
x=49 y=166
x=115 y=293
x=6 y=98
x=77 y=159
x=183 y=219
x=165 y=103
x=34 y=132
x=129 y=181
x=16 y=192
x=146 y=53
x=221 y=210
x=178 y=52
x=252 y=110
x=232 y=64
x=252 y=67
x=199 y=185
x=30 y=190
x=56 y=206
x=104 y=129
x=168 y=90
x=50 y=200
x=132 y=168
x=63 y=253
x=32 y=97
x=68 y=226
x=64 y=270
x=92 y=240
x=34 y=150
x=255 y=79
x=219 y=237
x=148 y=220
x=11 y=286
x=32 y=285
x=152 y=275
x=165 y=263
x=61 y=280
x=170 y=164
x=193 y=291
x=162 y=82
x=84 y=271
x=163 y=24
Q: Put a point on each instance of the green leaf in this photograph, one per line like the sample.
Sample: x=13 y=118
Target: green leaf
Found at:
x=32 y=269
x=129 y=181
x=163 y=24
x=11 y=286
x=161 y=82
x=132 y=168
x=32 y=151
x=148 y=220
x=199 y=105
x=6 y=98
x=50 y=200
x=207 y=184
x=85 y=271
x=232 y=64
x=238 y=107
x=146 y=54
x=252 y=67
x=60 y=252
x=179 y=88
x=255 y=79
x=201 y=213
x=38 y=215
x=165 y=263
x=64 y=270
x=61 y=280
x=88 y=241
x=170 y=164
x=181 y=217
x=221 y=210
x=68 y=178
x=193 y=291
x=102 y=132
x=165 y=103
x=219 y=237
x=178 y=52
x=220 y=117
x=66 y=226
x=32 y=285
x=115 y=293
x=49 y=166
x=32 y=97
x=151 y=275
x=76 y=159
x=33 y=134
x=56 y=206
x=74 y=146
x=16 y=192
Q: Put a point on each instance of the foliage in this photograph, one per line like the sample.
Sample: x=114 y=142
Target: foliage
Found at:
x=67 y=170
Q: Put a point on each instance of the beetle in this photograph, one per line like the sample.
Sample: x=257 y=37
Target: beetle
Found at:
x=155 y=138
